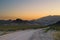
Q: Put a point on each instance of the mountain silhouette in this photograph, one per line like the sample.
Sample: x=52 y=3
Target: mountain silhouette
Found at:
x=47 y=20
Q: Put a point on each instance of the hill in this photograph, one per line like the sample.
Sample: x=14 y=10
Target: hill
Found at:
x=47 y=20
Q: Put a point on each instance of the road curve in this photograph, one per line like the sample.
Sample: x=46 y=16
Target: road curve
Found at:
x=20 y=35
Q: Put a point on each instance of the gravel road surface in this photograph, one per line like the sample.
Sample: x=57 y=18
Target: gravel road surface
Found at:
x=37 y=34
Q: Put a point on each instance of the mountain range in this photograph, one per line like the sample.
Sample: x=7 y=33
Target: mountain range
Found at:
x=47 y=20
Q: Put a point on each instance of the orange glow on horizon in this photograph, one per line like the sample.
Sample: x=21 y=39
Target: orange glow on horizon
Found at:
x=28 y=9
x=24 y=17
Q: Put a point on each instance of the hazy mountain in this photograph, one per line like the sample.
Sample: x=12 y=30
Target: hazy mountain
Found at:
x=57 y=24
x=48 y=20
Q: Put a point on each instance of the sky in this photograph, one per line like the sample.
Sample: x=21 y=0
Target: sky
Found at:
x=28 y=9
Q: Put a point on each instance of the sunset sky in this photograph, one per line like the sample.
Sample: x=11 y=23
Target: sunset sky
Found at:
x=28 y=9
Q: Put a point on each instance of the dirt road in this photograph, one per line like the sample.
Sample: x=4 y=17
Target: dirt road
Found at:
x=28 y=35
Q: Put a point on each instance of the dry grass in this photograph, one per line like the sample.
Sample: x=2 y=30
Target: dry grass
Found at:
x=57 y=35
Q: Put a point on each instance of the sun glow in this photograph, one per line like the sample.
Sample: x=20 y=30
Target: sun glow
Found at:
x=28 y=9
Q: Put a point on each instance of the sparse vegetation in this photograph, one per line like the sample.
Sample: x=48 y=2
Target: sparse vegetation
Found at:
x=6 y=29
x=22 y=27
x=57 y=35
x=55 y=27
